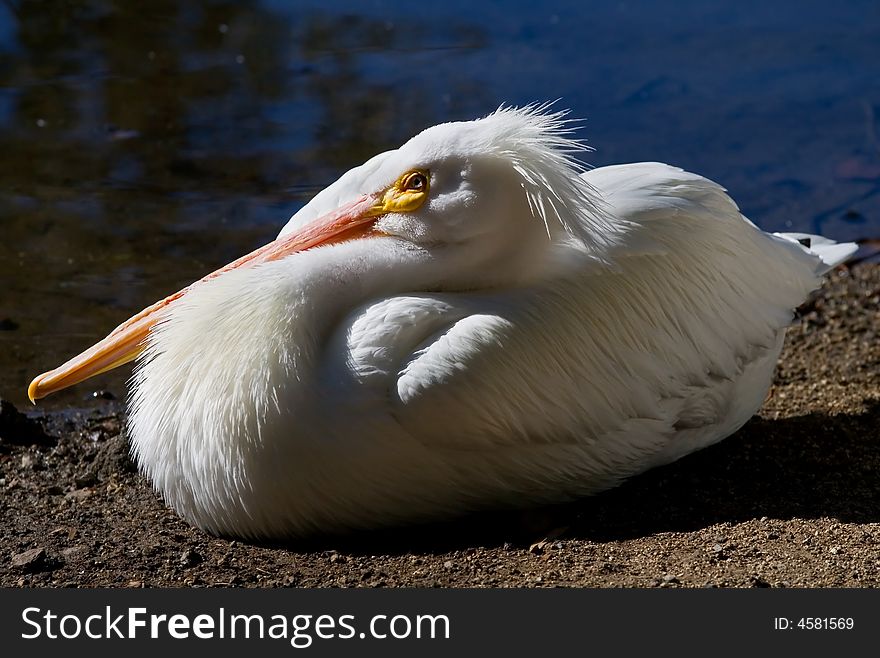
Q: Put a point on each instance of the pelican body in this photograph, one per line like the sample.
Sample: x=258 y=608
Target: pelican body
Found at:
x=469 y=321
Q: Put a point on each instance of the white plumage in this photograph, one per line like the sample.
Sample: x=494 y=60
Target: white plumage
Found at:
x=527 y=332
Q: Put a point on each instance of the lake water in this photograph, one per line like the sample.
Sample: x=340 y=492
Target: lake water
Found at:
x=145 y=144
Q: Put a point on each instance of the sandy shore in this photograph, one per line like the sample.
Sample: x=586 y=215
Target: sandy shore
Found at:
x=792 y=500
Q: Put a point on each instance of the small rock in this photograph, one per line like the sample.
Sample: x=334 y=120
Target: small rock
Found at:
x=74 y=552
x=54 y=490
x=834 y=550
x=447 y=564
x=30 y=560
x=79 y=495
x=717 y=548
x=189 y=558
x=669 y=578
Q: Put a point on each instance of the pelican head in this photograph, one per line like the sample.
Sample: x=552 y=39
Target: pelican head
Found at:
x=475 y=204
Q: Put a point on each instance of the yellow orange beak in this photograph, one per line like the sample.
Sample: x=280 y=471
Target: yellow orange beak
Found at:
x=128 y=340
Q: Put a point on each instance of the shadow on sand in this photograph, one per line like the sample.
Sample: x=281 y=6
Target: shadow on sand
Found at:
x=800 y=467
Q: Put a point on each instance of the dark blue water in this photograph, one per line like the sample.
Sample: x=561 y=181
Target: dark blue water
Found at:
x=144 y=144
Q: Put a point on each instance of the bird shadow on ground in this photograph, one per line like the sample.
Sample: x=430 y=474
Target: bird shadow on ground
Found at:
x=808 y=466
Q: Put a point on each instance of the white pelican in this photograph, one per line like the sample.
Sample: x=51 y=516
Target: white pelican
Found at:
x=471 y=320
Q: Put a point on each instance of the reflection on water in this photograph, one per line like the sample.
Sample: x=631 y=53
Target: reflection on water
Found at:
x=145 y=144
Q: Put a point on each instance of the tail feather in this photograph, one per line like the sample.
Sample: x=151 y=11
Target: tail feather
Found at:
x=831 y=253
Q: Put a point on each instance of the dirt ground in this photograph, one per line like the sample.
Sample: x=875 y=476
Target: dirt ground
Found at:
x=792 y=500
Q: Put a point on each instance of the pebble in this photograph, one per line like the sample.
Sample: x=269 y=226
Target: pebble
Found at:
x=189 y=558
x=73 y=552
x=79 y=495
x=539 y=546
x=30 y=560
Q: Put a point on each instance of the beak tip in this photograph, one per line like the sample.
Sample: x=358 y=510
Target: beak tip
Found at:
x=32 y=392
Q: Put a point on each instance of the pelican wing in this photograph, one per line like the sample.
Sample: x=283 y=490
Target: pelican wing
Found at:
x=669 y=348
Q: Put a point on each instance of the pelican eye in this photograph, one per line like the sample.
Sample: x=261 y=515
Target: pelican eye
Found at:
x=415 y=181
x=407 y=194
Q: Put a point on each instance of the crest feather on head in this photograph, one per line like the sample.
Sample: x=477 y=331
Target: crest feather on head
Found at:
x=540 y=147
